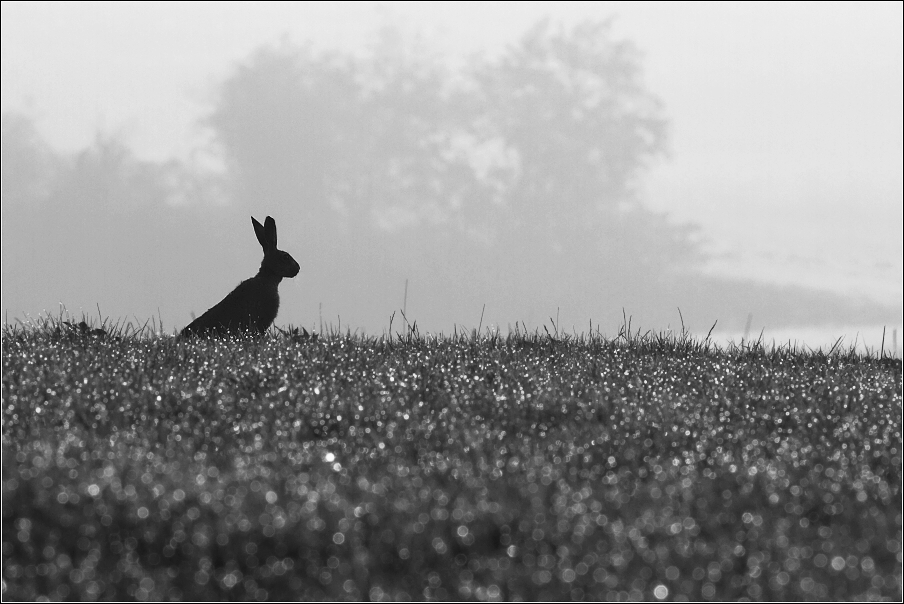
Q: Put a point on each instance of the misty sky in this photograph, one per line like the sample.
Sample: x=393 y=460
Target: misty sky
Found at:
x=785 y=119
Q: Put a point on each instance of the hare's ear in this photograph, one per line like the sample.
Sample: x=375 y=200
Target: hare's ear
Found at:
x=264 y=235
x=270 y=230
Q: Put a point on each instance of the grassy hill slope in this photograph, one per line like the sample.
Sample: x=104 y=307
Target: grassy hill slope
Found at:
x=539 y=467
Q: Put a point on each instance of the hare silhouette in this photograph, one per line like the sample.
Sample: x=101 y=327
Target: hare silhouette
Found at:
x=252 y=306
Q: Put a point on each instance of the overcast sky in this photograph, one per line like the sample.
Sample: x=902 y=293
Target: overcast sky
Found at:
x=785 y=118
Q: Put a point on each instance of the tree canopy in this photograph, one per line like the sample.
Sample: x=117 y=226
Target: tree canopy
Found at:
x=539 y=148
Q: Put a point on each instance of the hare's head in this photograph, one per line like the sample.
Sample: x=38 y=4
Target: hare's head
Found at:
x=276 y=262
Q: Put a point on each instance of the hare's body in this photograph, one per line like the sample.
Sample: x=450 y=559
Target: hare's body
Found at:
x=252 y=306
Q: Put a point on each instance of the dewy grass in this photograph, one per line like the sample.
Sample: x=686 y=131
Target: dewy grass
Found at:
x=534 y=466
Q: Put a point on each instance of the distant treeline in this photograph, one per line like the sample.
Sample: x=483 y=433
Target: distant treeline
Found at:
x=508 y=182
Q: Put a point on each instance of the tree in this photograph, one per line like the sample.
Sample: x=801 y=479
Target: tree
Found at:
x=571 y=108
x=575 y=128
x=562 y=116
x=29 y=166
x=281 y=122
x=355 y=142
x=97 y=227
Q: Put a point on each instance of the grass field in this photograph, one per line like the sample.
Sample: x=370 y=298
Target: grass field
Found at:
x=533 y=467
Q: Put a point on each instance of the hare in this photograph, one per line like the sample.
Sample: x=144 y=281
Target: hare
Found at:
x=253 y=304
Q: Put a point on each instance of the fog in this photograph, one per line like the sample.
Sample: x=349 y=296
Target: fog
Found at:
x=461 y=166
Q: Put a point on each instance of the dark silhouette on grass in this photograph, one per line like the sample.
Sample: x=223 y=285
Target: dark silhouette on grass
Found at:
x=253 y=304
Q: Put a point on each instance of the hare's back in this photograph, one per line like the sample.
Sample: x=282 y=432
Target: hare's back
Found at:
x=252 y=306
